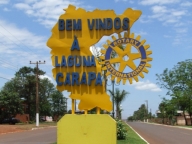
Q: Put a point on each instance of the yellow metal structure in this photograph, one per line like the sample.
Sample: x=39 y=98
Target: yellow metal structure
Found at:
x=60 y=42
x=86 y=129
x=129 y=43
x=76 y=70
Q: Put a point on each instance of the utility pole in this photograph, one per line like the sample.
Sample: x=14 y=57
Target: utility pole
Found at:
x=75 y=106
x=37 y=91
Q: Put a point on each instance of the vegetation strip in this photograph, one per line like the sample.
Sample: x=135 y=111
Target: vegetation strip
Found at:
x=182 y=127
x=136 y=133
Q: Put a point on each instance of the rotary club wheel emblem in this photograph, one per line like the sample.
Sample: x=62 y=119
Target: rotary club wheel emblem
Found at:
x=129 y=42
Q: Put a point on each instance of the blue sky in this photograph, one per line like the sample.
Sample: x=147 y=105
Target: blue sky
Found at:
x=25 y=26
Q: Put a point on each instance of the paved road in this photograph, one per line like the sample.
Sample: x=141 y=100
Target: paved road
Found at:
x=41 y=136
x=158 y=134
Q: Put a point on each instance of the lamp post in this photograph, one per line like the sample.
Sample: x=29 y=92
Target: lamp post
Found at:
x=147 y=109
x=65 y=104
x=113 y=99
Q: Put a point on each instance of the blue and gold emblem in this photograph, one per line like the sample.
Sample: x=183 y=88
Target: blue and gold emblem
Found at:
x=123 y=48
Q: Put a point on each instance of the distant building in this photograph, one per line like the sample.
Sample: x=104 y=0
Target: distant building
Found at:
x=180 y=119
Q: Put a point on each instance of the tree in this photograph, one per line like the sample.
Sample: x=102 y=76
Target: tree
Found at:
x=141 y=113
x=178 y=82
x=168 y=110
x=27 y=89
x=21 y=90
x=162 y=110
x=119 y=97
x=46 y=88
x=130 y=118
x=58 y=103
x=10 y=102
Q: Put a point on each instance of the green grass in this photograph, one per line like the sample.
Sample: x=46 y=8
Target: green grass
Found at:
x=133 y=138
x=24 y=126
x=185 y=126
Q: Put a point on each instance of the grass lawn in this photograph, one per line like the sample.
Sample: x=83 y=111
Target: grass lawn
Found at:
x=23 y=126
x=133 y=138
x=185 y=126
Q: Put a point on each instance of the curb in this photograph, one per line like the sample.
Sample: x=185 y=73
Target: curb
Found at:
x=43 y=127
x=170 y=126
x=138 y=134
x=28 y=130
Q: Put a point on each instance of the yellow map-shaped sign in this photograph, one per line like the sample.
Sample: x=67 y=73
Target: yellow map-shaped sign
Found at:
x=75 y=68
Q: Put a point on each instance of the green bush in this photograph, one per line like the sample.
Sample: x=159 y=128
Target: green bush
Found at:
x=31 y=122
x=121 y=130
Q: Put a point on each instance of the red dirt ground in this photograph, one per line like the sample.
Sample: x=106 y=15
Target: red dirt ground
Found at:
x=21 y=127
x=9 y=128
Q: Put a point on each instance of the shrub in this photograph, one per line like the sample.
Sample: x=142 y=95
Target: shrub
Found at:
x=121 y=130
x=31 y=122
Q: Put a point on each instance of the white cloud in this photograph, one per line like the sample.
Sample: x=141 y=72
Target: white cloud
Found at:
x=13 y=36
x=181 y=30
x=167 y=36
x=141 y=33
x=167 y=15
x=146 y=85
x=159 y=9
x=46 y=12
x=144 y=19
x=30 y=1
x=178 y=13
x=46 y=76
x=130 y=1
x=179 y=24
x=22 y=6
x=6 y=9
x=179 y=39
x=18 y=46
x=4 y=2
x=186 y=4
x=160 y=2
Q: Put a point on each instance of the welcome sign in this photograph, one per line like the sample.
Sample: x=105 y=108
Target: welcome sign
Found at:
x=75 y=68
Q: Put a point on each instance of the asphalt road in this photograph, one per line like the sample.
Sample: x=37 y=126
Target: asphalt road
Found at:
x=40 y=136
x=158 y=134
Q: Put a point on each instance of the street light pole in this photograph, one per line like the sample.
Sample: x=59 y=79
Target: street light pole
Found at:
x=150 y=113
x=113 y=99
x=147 y=108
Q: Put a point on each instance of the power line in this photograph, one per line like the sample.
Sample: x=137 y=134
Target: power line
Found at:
x=4 y=78
x=15 y=37
x=9 y=68
x=3 y=62
x=12 y=41
x=7 y=62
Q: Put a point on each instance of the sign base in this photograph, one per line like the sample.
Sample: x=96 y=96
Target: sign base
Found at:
x=86 y=129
